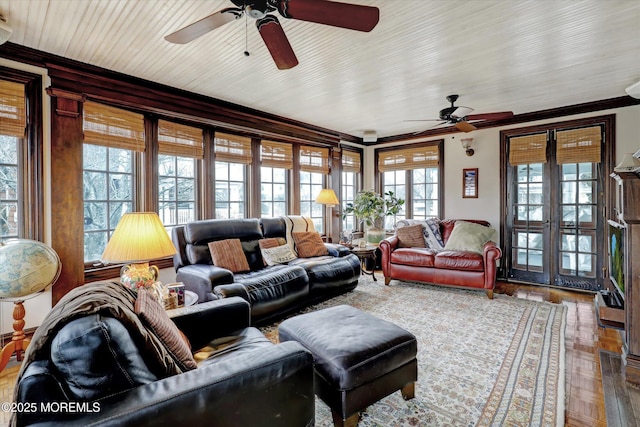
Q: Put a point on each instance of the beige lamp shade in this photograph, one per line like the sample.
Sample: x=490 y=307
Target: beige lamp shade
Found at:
x=327 y=197
x=138 y=237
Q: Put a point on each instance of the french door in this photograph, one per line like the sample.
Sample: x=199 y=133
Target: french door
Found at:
x=555 y=206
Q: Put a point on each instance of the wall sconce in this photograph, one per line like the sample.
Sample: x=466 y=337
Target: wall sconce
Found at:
x=466 y=145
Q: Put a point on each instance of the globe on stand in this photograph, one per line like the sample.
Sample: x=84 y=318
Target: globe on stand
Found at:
x=27 y=267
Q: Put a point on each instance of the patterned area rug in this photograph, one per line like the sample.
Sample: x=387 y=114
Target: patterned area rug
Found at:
x=481 y=362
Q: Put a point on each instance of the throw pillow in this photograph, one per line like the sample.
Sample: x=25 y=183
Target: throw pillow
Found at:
x=229 y=254
x=296 y=223
x=155 y=317
x=431 y=229
x=432 y=234
x=309 y=244
x=277 y=255
x=270 y=242
x=467 y=236
x=411 y=236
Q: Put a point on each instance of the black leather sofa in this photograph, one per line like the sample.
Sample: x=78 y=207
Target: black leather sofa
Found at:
x=272 y=291
x=251 y=383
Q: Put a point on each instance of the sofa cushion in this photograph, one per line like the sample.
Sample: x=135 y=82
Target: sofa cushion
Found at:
x=228 y=348
x=459 y=260
x=419 y=257
x=229 y=254
x=309 y=244
x=411 y=236
x=274 y=287
x=328 y=272
x=97 y=357
x=155 y=317
x=468 y=236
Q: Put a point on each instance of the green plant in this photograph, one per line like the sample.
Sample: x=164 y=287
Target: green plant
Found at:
x=371 y=208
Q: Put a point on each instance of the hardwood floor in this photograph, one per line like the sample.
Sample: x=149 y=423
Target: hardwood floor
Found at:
x=585 y=403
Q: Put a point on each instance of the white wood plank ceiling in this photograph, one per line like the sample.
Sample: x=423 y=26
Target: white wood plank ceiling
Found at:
x=518 y=55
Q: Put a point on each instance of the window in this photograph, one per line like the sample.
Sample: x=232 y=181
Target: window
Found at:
x=350 y=175
x=12 y=131
x=414 y=174
x=424 y=196
x=112 y=139
x=180 y=149
x=276 y=158
x=314 y=166
x=232 y=155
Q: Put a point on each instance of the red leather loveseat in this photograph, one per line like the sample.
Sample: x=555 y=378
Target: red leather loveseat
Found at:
x=455 y=268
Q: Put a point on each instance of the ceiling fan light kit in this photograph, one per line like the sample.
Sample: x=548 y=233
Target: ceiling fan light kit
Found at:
x=633 y=90
x=342 y=15
x=5 y=29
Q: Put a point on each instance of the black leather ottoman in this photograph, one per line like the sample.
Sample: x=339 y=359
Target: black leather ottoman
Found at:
x=358 y=358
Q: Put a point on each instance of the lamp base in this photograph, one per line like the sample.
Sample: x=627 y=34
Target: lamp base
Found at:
x=18 y=343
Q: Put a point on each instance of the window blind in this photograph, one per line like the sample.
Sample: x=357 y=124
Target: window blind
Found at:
x=579 y=145
x=13 y=119
x=179 y=140
x=350 y=161
x=276 y=154
x=314 y=159
x=408 y=158
x=232 y=148
x=113 y=127
x=528 y=149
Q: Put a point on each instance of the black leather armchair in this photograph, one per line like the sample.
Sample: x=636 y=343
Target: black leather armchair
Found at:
x=252 y=382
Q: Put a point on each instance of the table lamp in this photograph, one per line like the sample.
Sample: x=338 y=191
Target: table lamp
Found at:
x=27 y=267
x=138 y=238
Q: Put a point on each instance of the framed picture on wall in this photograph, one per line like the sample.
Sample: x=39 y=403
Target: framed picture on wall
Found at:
x=470 y=183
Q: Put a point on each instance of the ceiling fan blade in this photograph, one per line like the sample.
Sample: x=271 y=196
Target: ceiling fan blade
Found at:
x=491 y=116
x=425 y=120
x=203 y=26
x=277 y=42
x=461 y=112
x=343 y=15
x=465 y=127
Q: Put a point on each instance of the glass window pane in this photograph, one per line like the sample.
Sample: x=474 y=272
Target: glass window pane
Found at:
x=568 y=192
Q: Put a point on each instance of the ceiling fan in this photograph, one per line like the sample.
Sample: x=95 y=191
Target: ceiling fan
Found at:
x=460 y=116
x=343 y=15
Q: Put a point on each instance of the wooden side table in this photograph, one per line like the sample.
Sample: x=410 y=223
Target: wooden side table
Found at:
x=363 y=254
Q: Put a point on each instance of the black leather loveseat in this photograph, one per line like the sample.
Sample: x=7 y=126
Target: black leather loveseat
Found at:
x=271 y=290
x=93 y=370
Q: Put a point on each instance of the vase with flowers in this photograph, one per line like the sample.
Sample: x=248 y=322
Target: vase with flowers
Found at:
x=371 y=208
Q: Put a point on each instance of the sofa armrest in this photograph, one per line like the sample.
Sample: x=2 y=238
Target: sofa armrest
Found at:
x=337 y=250
x=387 y=246
x=271 y=386
x=232 y=290
x=491 y=254
x=202 y=278
x=201 y=323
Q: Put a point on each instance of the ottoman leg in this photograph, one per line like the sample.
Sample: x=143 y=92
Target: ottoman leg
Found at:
x=408 y=391
x=352 y=421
